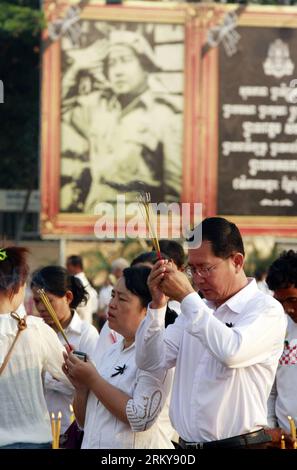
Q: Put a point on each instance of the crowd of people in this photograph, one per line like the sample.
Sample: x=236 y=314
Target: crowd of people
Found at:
x=178 y=354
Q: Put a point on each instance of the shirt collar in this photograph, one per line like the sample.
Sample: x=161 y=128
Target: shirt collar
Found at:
x=75 y=325
x=145 y=100
x=121 y=342
x=238 y=302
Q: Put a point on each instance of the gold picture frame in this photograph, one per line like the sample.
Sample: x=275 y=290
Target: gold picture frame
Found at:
x=216 y=84
x=58 y=218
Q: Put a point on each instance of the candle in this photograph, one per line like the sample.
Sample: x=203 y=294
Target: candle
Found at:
x=283 y=444
x=292 y=427
x=58 y=430
x=72 y=417
x=53 y=423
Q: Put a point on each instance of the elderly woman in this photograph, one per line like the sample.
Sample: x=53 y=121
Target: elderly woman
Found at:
x=118 y=404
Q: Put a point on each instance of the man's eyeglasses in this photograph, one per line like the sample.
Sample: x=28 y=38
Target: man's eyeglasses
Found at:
x=202 y=272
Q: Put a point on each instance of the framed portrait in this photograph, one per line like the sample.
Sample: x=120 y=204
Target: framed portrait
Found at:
x=248 y=117
x=118 y=103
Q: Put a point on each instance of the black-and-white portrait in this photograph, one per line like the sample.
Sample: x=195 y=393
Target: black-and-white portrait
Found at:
x=122 y=113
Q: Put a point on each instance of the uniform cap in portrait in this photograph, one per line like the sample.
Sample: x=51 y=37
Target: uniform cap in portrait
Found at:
x=136 y=42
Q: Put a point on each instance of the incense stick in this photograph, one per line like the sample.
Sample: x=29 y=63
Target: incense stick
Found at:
x=144 y=201
x=52 y=313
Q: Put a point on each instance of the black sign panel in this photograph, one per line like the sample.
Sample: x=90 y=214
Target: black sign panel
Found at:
x=257 y=164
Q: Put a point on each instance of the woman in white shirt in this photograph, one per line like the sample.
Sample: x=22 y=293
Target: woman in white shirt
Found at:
x=65 y=292
x=34 y=348
x=118 y=404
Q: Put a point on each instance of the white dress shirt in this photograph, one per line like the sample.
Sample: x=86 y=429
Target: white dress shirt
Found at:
x=59 y=396
x=148 y=395
x=86 y=310
x=106 y=339
x=283 y=401
x=23 y=411
x=223 y=374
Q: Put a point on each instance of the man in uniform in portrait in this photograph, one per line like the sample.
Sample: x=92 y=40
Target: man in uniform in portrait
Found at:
x=134 y=134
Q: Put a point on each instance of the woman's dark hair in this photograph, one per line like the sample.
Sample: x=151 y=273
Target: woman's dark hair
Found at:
x=14 y=269
x=283 y=271
x=223 y=235
x=58 y=281
x=136 y=282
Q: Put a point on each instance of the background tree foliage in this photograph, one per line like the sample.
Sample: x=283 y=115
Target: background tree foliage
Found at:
x=20 y=24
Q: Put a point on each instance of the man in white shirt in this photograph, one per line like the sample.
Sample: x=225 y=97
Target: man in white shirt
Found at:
x=282 y=279
x=74 y=265
x=225 y=348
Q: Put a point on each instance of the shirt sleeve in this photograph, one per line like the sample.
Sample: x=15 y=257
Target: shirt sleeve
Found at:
x=52 y=353
x=257 y=337
x=50 y=383
x=148 y=399
x=271 y=415
x=156 y=347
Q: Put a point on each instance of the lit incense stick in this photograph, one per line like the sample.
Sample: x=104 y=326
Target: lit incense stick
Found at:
x=52 y=313
x=144 y=201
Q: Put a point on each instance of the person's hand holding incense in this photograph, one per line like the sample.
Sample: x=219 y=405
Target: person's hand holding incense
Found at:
x=156 y=276
x=69 y=348
x=174 y=284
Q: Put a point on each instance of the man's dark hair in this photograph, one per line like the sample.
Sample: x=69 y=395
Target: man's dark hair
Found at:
x=224 y=236
x=174 y=250
x=283 y=271
x=75 y=260
x=150 y=257
x=260 y=274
